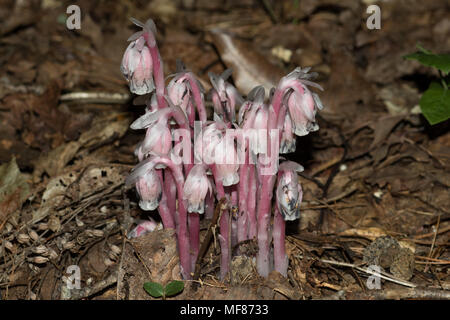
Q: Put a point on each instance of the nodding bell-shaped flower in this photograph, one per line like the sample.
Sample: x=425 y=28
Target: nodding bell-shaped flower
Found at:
x=158 y=138
x=287 y=144
x=289 y=190
x=254 y=114
x=225 y=97
x=208 y=139
x=302 y=110
x=302 y=104
x=178 y=92
x=227 y=161
x=149 y=189
x=196 y=188
x=137 y=67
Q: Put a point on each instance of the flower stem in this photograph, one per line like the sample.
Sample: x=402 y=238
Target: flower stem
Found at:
x=158 y=72
x=164 y=211
x=279 y=250
x=263 y=214
x=224 y=228
x=242 y=227
x=251 y=203
x=194 y=234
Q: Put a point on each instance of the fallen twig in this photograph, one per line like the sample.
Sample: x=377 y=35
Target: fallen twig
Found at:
x=96 y=288
x=381 y=274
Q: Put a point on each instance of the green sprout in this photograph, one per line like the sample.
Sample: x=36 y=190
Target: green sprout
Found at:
x=156 y=290
x=435 y=102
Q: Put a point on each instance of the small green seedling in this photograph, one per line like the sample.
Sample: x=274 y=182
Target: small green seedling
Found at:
x=435 y=102
x=156 y=290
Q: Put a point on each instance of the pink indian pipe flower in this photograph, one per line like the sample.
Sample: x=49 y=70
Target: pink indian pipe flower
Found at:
x=296 y=82
x=148 y=33
x=287 y=144
x=289 y=191
x=149 y=189
x=225 y=97
x=287 y=208
x=253 y=117
x=158 y=137
x=255 y=120
x=227 y=161
x=137 y=66
x=196 y=188
x=218 y=148
x=302 y=104
x=184 y=88
x=152 y=196
x=155 y=162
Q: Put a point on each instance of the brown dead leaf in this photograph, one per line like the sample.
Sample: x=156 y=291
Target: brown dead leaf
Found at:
x=250 y=68
x=14 y=190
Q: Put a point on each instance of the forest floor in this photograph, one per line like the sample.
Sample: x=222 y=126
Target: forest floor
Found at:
x=376 y=179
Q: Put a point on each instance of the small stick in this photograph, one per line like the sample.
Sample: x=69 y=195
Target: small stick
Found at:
x=206 y=242
x=96 y=97
x=96 y=288
x=434 y=241
x=366 y=270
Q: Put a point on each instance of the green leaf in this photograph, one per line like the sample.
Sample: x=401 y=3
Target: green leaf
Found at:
x=425 y=57
x=435 y=103
x=174 y=287
x=154 y=289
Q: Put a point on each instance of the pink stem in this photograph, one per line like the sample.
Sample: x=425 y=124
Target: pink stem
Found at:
x=265 y=197
x=242 y=223
x=191 y=116
x=263 y=214
x=199 y=103
x=234 y=222
x=183 y=234
x=170 y=190
x=209 y=206
x=194 y=234
x=279 y=249
x=224 y=228
x=158 y=72
x=164 y=212
x=251 y=203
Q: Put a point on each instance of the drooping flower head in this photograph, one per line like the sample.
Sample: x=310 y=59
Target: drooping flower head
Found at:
x=137 y=66
x=289 y=190
x=253 y=117
x=287 y=144
x=217 y=147
x=149 y=189
x=225 y=97
x=137 y=63
x=227 y=161
x=158 y=138
x=302 y=104
x=184 y=89
x=196 y=188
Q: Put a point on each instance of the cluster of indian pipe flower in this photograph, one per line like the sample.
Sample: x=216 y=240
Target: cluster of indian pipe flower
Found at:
x=235 y=156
